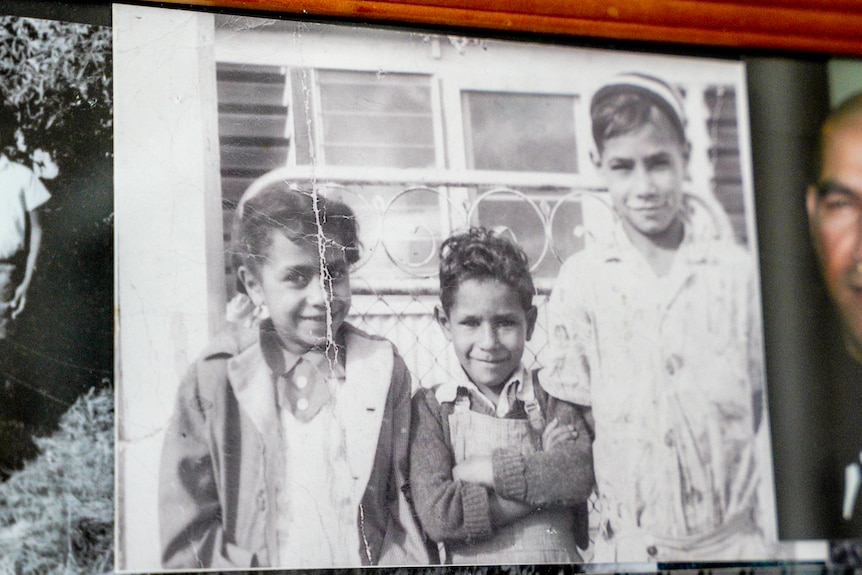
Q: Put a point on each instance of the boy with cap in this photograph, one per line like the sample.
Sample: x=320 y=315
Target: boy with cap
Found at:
x=655 y=330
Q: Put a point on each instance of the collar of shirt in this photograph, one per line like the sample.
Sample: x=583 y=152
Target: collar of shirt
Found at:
x=326 y=364
x=280 y=361
x=519 y=386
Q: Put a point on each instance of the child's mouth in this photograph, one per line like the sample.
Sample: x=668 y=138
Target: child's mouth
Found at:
x=647 y=207
x=492 y=361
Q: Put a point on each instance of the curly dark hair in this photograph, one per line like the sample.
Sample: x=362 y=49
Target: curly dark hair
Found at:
x=295 y=214
x=480 y=253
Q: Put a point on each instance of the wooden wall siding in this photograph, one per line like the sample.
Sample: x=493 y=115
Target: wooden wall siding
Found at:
x=724 y=152
x=828 y=26
x=253 y=132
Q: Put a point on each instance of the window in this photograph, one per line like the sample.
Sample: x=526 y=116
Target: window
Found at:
x=417 y=155
x=253 y=132
x=520 y=132
x=346 y=118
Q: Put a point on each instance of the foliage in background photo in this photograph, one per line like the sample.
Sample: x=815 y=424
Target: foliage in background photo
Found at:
x=56 y=368
x=57 y=78
x=56 y=515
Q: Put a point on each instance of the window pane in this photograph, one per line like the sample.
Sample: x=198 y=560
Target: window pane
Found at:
x=379 y=120
x=520 y=132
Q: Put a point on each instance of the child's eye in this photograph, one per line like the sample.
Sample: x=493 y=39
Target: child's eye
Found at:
x=299 y=279
x=620 y=166
x=658 y=162
x=337 y=272
x=470 y=322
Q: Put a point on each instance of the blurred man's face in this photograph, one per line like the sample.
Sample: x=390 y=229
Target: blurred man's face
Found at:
x=835 y=216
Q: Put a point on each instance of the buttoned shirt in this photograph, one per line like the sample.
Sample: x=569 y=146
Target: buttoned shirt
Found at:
x=20 y=193
x=316 y=524
x=669 y=366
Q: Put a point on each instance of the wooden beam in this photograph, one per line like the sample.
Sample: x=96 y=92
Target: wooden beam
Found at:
x=833 y=26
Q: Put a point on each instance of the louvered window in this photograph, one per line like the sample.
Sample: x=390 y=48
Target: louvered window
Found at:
x=370 y=119
x=254 y=133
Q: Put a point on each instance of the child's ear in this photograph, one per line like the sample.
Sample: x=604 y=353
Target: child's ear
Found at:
x=686 y=155
x=442 y=319
x=532 y=314
x=596 y=158
x=685 y=150
x=252 y=285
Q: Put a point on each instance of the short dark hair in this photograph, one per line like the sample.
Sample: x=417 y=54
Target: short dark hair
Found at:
x=849 y=109
x=627 y=103
x=482 y=254
x=302 y=216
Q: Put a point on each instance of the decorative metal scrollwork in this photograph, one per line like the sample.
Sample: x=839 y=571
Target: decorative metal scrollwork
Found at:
x=545 y=223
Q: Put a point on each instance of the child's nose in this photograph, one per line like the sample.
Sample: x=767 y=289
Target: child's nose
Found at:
x=317 y=291
x=488 y=337
x=643 y=184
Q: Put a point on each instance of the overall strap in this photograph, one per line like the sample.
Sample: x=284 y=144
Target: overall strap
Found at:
x=540 y=393
x=537 y=409
x=446 y=409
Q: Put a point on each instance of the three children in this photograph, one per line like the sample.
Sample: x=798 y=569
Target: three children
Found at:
x=289 y=446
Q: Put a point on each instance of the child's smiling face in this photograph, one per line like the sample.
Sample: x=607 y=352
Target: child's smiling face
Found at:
x=644 y=170
x=488 y=329
x=305 y=308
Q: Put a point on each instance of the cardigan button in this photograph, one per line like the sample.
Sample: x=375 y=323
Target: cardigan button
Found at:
x=652 y=550
x=261 y=500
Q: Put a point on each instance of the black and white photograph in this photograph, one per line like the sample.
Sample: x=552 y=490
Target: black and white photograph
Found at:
x=397 y=297
x=56 y=295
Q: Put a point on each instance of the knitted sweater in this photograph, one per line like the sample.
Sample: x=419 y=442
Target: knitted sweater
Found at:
x=452 y=510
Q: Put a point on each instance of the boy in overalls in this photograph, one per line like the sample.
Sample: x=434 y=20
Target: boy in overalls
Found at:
x=499 y=469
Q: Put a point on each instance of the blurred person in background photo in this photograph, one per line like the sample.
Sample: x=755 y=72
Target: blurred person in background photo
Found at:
x=21 y=195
